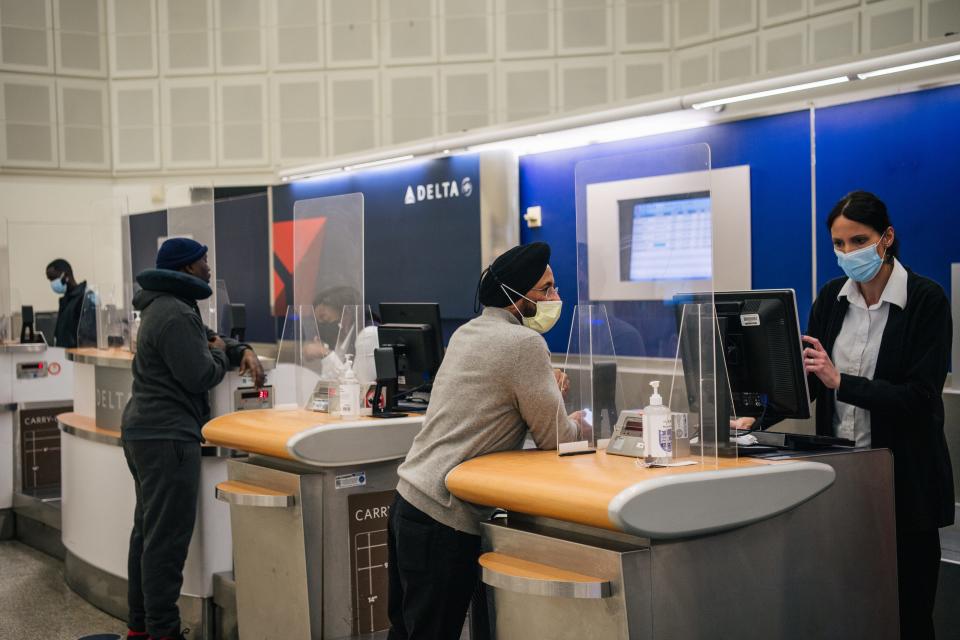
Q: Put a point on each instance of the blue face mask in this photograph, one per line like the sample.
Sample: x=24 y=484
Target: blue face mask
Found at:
x=861 y=265
x=59 y=286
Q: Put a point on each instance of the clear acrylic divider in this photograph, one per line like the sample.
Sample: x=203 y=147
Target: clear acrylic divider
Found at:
x=104 y=321
x=645 y=253
x=594 y=394
x=221 y=319
x=357 y=338
x=328 y=250
x=304 y=365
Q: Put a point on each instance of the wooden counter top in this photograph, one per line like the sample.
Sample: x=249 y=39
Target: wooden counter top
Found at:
x=86 y=427
x=313 y=437
x=120 y=358
x=612 y=492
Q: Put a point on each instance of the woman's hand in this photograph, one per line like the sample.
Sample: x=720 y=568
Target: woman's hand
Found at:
x=817 y=361
x=563 y=382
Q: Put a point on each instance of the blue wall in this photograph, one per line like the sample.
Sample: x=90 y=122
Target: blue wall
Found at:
x=905 y=149
x=777 y=149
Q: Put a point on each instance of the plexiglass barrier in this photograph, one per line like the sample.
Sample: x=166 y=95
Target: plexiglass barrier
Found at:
x=327 y=321
x=104 y=321
x=641 y=354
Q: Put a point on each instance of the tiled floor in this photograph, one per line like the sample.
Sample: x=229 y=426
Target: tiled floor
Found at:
x=35 y=602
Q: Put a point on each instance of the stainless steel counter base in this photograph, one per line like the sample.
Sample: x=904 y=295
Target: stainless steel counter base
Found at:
x=109 y=593
x=825 y=570
x=292 y=556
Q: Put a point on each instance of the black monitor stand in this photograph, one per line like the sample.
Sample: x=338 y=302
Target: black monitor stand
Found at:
x=386 y=365
x=27 y=333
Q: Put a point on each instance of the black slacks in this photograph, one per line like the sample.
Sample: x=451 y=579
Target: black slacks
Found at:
x=433 y=575
x=918 y=568
x=166 y=474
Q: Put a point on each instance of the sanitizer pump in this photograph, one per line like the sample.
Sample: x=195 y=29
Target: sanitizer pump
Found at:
x=657 y=426
x=349 y=391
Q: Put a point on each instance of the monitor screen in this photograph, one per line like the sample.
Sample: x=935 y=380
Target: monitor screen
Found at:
x=666 y=238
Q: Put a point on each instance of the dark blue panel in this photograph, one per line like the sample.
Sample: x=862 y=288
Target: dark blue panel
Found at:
x=243 y=259
x=425 y=251
x=777 y=148
x=904 y=149
x=145 y=230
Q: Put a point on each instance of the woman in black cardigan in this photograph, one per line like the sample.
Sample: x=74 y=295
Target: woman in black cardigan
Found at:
x=878 y=356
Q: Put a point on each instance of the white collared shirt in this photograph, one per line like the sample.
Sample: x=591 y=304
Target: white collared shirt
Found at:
x=858 y=345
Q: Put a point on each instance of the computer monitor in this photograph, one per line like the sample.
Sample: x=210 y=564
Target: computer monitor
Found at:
x=759 y=332
x=415 y=313
x=46 y=323
x=414 y=346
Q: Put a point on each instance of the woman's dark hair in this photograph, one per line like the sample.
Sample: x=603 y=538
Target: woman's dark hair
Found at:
x=868 y=209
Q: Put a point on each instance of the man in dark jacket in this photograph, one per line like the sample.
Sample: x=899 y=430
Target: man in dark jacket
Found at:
x=60 y=275
x=178 y=361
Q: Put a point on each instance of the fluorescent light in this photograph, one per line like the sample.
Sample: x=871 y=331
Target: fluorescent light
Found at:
x=311 y=176
x=377 y=163
x=595 y=134
x=771 y=92
x=908 y=67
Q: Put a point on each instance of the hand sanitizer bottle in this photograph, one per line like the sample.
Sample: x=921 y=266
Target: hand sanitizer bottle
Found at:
x=349 y=391
x=657 y=426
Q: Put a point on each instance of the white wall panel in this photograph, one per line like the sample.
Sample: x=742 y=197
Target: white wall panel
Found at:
x=467 y=98
x=132 y=36
x=466 y=30
x=642 y=75
x=692 y=21
x=526 y=28
x=693 y=67
x=299 y=34
x=584 y=26
x=526 y=90
x=783 y=48
x=643 y=25
x=779 y=11
x=29 y=114
x=735 y=59
x=940 y=17
x=584 y=82
x=186 y=36
x=735 y=16
x=135 y=115
x=240 y=37
x=409 y=32
x=26 y=35
x=352 y=38
x=84 y=124
x=411 y=104
x=824 y=6
x=298 y=113
x=188 y=122
x=834 y=37
x=353 y=108
x=80 y=29
x=243 y=116
x=889 y=24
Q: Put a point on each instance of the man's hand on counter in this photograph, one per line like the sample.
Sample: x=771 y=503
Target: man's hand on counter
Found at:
x=217 y=342
x=250 y=366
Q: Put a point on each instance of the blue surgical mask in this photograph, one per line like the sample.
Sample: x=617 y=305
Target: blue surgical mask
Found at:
x=59 y=286
x=861 y=265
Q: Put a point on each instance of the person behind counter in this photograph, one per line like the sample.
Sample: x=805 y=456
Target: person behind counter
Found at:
x=178 y=360
x=60 y=275
x=880 y=344
x=495 y=384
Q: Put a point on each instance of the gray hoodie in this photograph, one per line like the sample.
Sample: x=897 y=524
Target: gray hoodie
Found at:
x=174 y=367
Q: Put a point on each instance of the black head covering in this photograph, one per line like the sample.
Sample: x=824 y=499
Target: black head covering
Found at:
x=519 y=269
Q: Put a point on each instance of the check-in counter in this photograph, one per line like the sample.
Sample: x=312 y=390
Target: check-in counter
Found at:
x=308 y=513
x=597 y=546
x=99 y=496
x=35 y=385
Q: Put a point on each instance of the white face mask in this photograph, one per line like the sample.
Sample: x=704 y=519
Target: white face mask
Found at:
x=548 y=312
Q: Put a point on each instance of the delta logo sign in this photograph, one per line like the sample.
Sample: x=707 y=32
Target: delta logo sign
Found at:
x=438 y=191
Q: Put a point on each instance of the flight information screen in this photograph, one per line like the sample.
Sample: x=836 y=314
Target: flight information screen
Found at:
x=666 y=238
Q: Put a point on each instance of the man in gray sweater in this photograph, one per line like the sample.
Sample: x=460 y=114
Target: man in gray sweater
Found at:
x=495 y=384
